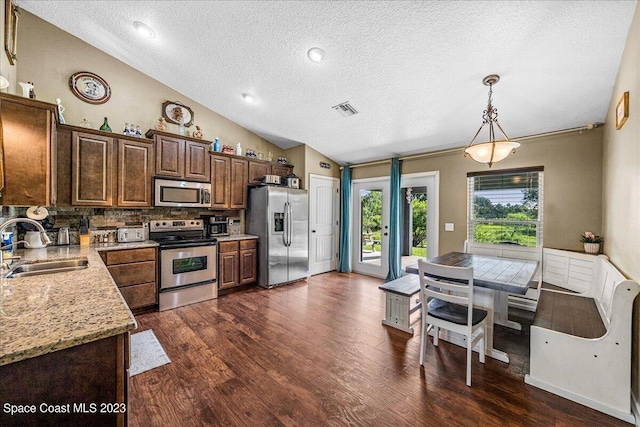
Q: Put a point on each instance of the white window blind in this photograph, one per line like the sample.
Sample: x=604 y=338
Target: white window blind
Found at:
x=505 y=207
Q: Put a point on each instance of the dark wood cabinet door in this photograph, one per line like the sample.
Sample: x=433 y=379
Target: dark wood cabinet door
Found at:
x=281 y=170
x=169 y=156
x=258 y=170
x=197 y=165
x=27 y=131
x=228 y=270
x=238 y=184
x=135 y=172
x=91 y=170
x=220 y=174
x=248 y=266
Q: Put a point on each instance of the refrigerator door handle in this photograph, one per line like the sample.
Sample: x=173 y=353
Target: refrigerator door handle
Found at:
x=290 y=219
x=286 y=236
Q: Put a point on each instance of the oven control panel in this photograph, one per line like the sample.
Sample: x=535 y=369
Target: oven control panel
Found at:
x=160 y=225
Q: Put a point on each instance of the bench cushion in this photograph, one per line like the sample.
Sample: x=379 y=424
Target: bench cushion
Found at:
x=569 y=314
x=454 y=313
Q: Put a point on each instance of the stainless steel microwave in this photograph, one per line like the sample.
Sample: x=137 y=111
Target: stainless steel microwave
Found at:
x=182 y=194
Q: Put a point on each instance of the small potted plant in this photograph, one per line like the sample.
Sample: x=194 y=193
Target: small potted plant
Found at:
x=591 y=242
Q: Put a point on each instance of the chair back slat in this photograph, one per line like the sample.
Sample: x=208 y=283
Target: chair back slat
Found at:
x=437 y=281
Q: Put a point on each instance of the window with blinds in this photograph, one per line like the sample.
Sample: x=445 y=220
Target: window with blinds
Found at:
x=505 y=207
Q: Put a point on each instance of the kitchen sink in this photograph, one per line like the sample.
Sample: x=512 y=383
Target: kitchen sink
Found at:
x=47 y=267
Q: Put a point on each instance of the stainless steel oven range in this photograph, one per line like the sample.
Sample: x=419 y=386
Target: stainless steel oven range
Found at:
x=188 y=262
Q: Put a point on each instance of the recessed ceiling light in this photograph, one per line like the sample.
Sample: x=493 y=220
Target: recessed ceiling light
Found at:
x=249 y=97
x=315 y=54
x=144 y=30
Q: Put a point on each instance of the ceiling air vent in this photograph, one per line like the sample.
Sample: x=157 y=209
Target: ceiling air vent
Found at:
x=345 y=109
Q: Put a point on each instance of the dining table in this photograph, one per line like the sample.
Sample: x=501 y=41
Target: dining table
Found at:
x=493 y=279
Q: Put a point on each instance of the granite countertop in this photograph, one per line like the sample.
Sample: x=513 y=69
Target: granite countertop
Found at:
x=46 y=313
x=236 y=237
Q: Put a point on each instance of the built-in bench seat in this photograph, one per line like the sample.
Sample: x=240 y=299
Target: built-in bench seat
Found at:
x=581 y=343
x=562 y=312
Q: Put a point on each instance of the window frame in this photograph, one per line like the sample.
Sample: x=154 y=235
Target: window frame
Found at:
x=471 y=194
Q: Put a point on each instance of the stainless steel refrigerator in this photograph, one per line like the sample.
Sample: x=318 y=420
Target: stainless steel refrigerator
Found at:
x=279 y=216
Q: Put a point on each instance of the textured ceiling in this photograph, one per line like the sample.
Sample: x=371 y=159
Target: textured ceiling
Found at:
x=413 y=70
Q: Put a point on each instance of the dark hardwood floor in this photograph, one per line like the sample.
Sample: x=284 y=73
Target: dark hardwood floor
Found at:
x=314 y=353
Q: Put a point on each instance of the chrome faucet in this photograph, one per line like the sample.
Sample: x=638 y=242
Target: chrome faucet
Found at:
x=43 y=234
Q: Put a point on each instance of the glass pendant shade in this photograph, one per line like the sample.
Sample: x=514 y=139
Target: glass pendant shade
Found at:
x=4 y=83
x=491 y=152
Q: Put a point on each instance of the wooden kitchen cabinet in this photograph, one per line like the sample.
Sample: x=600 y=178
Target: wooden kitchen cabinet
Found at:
x=228 y=182
x=258 y=169
x=91 y=169
x=169 y=156
x=237 y=263
x=27 y=167
x=248 y=261
x=135 y=172
x=281 y=170
x=181 y=157
x=95 y=372
x=135 y=273
x=100 y=170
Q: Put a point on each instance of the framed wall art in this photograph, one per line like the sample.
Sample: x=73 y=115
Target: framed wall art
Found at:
x=11 y=30
x=622 y=110
x=175 y=112
x=90 y=87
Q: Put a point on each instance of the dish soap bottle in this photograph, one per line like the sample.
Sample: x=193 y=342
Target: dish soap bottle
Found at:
x=105 y=126
x=238 y=149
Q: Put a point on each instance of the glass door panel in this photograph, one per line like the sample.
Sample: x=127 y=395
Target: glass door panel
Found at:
x=370 y=243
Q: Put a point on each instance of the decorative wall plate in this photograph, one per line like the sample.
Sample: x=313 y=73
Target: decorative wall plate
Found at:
x=90 y=87
x=174 y=112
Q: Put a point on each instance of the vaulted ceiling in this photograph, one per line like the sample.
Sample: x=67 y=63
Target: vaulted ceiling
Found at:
x=412 y=70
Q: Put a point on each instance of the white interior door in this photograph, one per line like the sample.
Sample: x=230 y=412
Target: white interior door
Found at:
x=324 y=210
x=370 y=199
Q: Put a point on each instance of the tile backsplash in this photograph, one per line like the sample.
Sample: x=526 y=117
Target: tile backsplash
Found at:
x=102 y=220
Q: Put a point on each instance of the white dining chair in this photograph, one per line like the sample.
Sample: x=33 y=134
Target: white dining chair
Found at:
x=449 y=292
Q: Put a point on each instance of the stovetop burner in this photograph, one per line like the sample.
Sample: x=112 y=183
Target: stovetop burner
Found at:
x=179 y=233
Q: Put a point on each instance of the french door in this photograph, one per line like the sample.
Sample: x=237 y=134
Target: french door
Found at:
x=370 y=243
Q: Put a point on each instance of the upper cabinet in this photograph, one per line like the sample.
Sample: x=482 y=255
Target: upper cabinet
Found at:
x=180 y=157
x=258 y=169
x=228 y=182
x=91 y=170
x=101 y=169
x=27 y=138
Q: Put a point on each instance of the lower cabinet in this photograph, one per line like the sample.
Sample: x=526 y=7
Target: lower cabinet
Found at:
x=237 y=263
x=85 y=385
x=134 y=271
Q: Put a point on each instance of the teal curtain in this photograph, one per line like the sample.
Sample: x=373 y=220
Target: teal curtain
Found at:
x=395 y=265
x=345 y=221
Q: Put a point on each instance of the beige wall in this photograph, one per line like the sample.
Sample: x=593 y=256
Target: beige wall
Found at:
x=572 y=191
x=621 y=180
x=296 y=156
x=48 y=56
x=307 y=162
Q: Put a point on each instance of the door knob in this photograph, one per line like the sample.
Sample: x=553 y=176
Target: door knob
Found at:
x=313 y=231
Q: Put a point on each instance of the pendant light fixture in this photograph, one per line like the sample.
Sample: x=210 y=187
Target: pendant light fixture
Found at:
x=491 y=151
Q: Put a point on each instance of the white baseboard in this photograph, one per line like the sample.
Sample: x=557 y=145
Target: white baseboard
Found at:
x=635 y=408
